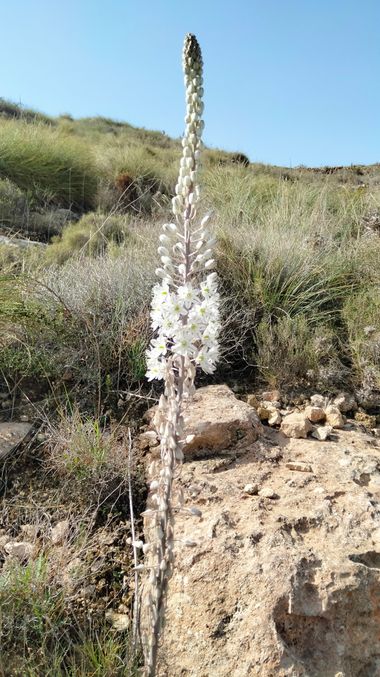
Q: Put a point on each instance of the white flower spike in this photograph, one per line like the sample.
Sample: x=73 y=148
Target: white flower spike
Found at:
x=186 y=322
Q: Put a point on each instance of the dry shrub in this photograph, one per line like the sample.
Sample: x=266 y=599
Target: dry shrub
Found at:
x=292 y=352
x=92 y=235
x=87 y=454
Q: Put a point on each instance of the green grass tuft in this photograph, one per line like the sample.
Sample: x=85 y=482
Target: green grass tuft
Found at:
x=46 y=163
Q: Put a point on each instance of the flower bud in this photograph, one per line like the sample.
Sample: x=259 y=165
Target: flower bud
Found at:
x=170 y=227
x=175 y=206
x=160 y=272
x=166 y=260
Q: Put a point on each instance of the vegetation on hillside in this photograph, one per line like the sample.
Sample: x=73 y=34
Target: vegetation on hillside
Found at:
x=297 y=248
x=298 y=256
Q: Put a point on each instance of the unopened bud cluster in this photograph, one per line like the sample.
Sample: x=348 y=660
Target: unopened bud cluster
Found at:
x=187 y=189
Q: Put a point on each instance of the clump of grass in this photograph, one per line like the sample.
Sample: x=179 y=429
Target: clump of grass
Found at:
x=30 y=611
x=293 y=352
x=152 y=172
x=92 y=235
x=89 y=456
x=361 y=313
x=13 y=204
x=9 y=109
x=40 y=635
x=42 y=161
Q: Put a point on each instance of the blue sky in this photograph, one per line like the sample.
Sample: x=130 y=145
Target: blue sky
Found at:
x=288 y=82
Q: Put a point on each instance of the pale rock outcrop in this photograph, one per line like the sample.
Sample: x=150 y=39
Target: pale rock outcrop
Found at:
x=322 y=432
x=12 y=434
x=287 y=586
x=334 y=416
x=21 y=550
x=271 y=396
x=60 y=532
x=318 y=401
x=216 y=420
x=296 y=425
x=275 y=418
x=315 y=414
x=253 y=401
x=368 y=420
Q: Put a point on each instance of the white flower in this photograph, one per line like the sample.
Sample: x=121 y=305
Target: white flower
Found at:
x=207 y=365
x=156 y=368
x=208 y=287
x=160 y=293
x=188 y=294
x=183 y=344
x=175 y=307
x=208 y=309
x=185 y=305
x=158 y=346
x=210 y=334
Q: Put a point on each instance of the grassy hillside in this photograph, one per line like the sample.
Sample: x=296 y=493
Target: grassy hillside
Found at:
x=298 y=256
x=299 y=262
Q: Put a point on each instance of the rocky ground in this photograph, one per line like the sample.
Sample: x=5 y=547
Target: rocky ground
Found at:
x=284 y=579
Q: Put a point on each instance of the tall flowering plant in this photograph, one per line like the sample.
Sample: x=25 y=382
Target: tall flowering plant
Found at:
x=185 y=319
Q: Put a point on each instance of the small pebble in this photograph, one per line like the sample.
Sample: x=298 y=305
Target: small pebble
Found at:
x=267 y=492
x=322 y=432
x=299 y=466
x=251 y=489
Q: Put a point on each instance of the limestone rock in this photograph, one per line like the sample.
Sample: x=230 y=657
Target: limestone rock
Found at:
x=251 y=489
x=299 y=466
x=267 y=492
x=318 y=401
x=322 y=432
x=21 y=550
x=11 y=436
x=120 y=622
x=315 y=414
x=147 y=440
x=271 y=396
x=296 y=425
x=216 y=420
x=275 y=418
x=345 y=402
x=263 y=412
x=279 y=588
x=60 y=532
x=334 y=417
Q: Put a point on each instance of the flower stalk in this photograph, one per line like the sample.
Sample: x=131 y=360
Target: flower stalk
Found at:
x=185 y=319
